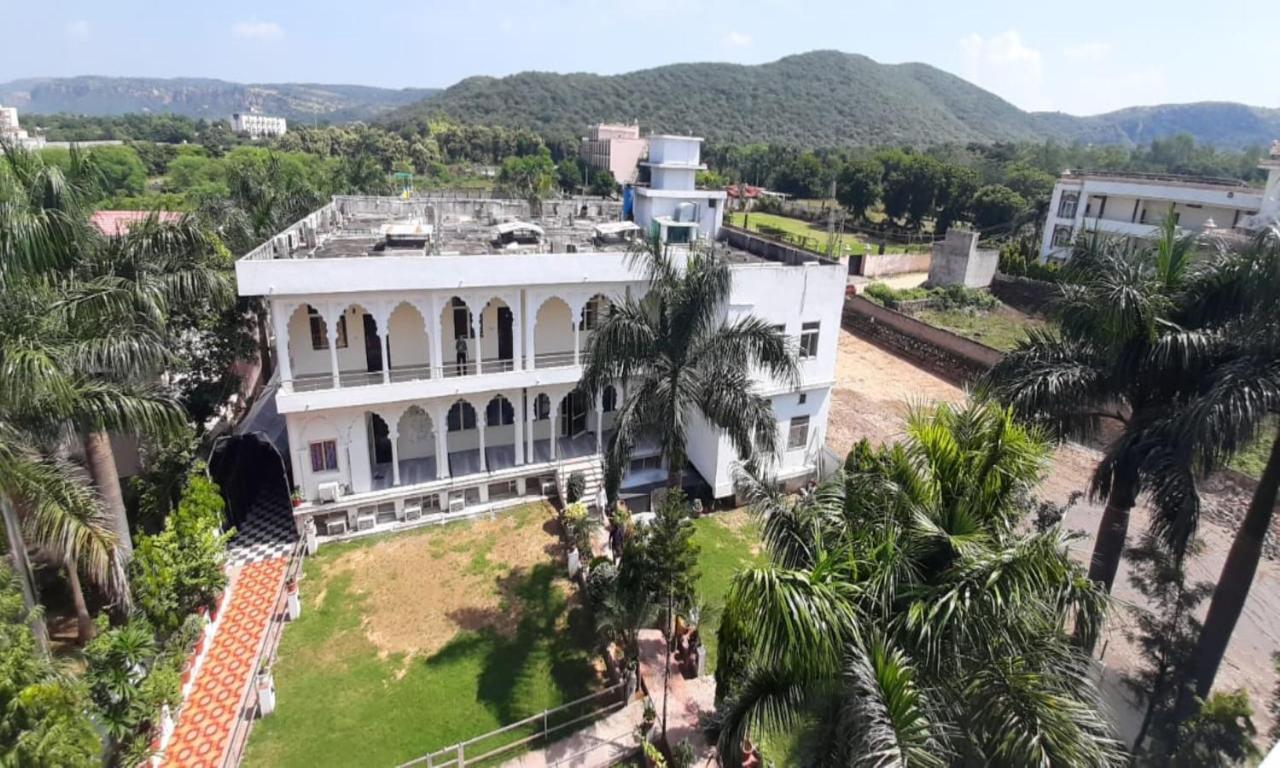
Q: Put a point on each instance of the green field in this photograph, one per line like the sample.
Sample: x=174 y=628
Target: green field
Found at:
x=1000 y=328
x=812 y=236
x=511 y=643
x=728 y=541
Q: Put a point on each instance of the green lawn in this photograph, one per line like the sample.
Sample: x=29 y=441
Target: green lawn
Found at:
x=511 y=643
x=813 y=235
x=1253 y=459
x=728 y=541
x=1000 y=328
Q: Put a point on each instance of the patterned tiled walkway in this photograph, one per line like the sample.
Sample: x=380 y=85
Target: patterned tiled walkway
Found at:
x=212 y=708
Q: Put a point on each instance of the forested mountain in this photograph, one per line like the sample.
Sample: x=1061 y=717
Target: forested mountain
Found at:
x=200 y=97
x=819 y=99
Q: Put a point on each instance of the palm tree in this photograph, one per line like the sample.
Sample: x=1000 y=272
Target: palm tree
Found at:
x=1109 y=363
x=909 y=617
x=679 y=360
x=1236 y=404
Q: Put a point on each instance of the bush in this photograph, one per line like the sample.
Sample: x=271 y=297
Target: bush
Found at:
x=180 y=569
x=574 y=487
x=946 y=297
x=600 y=581
x=578 y=524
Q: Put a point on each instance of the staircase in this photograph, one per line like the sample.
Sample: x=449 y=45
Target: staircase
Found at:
x=592 y=470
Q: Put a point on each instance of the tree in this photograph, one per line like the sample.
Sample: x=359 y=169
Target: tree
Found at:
x=909 y=616
x=180 y=569
x=42 y=713
x=528 y=178
x=661 y=559
x=568 y=176
x=1113 y=361
x=858 y=186
x=602 y=183
x=996 y=205
x=954 y=196
x=679 y=361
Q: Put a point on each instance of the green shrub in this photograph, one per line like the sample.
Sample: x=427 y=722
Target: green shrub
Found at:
x=180 y=569
x=946 y=297
x=578 y=525
x=574 y=487
x=600 y=581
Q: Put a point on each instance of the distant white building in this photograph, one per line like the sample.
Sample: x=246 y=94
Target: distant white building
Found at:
x=1135 y=205
x=258 y=125
x=672 y=206
x=429 y=349
x=616 y=148
x=12 y=133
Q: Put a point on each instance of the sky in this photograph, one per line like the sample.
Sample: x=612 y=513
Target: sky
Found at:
x=1081 y=57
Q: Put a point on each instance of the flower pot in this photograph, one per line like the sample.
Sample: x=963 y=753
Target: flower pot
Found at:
x=266 y=693
x=297 y=502
x=292 y=604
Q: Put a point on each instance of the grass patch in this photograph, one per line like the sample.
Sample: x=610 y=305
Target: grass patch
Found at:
x=812 y=236
x=1253 y=459
x=728 y=541
x=1001 y=328
x=502 y=638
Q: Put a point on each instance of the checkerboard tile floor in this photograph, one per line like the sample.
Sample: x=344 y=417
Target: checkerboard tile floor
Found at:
x=267 y=533
x=212 y=709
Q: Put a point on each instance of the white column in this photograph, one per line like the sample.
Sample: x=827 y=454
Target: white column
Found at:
x=517 y=333
x=436 y=341
x=440 y=419
x=530 y=325
x=482 y=421
x=555 y=422
x=475 y=335
x=518 y=406
x=577 y=324
x=530 y=411
x=384 y=336
x=599 y=422
x=393 y=432
x=280 y=324
x=331 y=331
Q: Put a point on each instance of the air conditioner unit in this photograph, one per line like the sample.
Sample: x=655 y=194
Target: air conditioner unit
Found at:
x=329 y=491
x=365 y=522
x=334 y=526
x=457 y=504
x=412 y=512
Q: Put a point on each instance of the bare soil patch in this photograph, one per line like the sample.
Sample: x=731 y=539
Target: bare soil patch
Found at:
x=420 y=589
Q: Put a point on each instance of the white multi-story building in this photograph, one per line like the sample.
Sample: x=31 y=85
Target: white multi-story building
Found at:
x=616 y=148
x=258 y=125
x=13 y=133
x=1135 y=205
x=671 y=206
x=429 y=351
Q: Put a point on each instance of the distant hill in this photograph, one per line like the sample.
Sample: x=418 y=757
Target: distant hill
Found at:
x=818 y=99
x=199 y=97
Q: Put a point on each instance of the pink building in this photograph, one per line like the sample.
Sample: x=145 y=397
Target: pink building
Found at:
x=618 y=148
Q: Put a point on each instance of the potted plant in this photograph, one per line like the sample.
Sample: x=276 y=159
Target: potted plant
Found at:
x=296 y=497
x=653 y=757
x=266 y=689
x=650 y=717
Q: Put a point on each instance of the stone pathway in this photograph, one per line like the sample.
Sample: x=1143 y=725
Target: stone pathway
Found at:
x=603 y=743
x=211 y=710
x=688 y=701
x=268 y=533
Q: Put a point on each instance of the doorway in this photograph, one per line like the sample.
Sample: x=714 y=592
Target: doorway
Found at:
x=573 y=414
x=381 y=440
x=372 y=345
x=505 y=345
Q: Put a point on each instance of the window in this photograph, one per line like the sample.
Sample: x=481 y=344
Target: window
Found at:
x=646 y=463
x=499 y=412
x=1061 y=237
x=541 y=408
x=609 y=400
x=803 y=397
x=319 y=338
x=324 y=456
x=1067 y=206
x=592 y=313
x=798 y=433
x=809 y=340
x=461 y=416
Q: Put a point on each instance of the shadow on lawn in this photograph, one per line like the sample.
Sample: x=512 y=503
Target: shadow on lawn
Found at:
x=552 y=640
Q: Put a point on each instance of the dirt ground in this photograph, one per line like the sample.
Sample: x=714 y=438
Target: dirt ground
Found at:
x=427 y=586
x=874 y=388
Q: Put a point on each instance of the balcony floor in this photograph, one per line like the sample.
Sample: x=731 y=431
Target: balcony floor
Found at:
x=464 y=463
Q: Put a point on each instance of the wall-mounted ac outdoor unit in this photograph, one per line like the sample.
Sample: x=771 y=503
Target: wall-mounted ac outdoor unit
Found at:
x=457 y=504
x=365 y=522
x=412 y=512
x=334 y=526
x=329 y=491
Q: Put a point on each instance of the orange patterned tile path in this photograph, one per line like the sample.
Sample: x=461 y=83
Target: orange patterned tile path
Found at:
x=209 y=713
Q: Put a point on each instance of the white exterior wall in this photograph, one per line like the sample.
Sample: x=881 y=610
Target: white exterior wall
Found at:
x=675 y=149
x=1194 y=203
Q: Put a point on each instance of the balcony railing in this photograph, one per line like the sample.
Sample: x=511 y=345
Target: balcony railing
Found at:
x=314 y=382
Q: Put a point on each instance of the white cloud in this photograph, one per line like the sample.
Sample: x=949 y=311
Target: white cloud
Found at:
x=1006 y=66
x=257 y=30
x=737 y=39
x=78 y=30
x=1093 y=51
